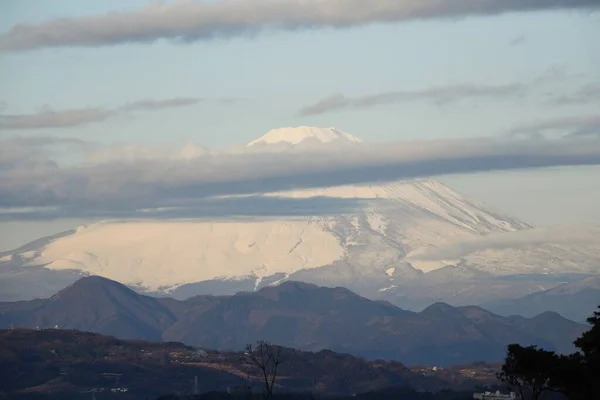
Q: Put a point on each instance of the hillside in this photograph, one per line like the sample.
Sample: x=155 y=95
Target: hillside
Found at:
x=65 y=361
x=293 y=314
x=98 y=305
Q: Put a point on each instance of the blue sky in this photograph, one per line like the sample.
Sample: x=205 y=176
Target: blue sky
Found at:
x=275 y=73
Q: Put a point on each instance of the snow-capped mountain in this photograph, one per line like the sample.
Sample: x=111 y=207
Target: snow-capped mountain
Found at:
x=395 y=238
x=410 y=242
x=391 y=222
x=303 y=135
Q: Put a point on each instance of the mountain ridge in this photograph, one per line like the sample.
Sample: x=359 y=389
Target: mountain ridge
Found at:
x=576 y=299
x=293 y=314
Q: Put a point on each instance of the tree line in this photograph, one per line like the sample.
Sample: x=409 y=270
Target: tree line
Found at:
x=532 y=372
x=536 y=373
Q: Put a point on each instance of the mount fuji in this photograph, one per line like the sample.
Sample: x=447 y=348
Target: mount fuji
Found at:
x=412 y=243
x=302 y=138
x=301 y=134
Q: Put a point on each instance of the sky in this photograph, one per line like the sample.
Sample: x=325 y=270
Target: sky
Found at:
x=85 y=87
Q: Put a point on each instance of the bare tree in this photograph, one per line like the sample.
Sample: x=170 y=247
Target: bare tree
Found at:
x=266 y=358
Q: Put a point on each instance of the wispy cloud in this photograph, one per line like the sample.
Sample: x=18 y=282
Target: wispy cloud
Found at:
x=55 y=119
x=132 y=153
x=438 y=95
x=190 y=20
x=160 y=104
x=536 y=237
x=36 y=151
x=587 y=94
x=119 y=184
x=578 y=125
x=517 y=40
x=441 y=95
x=84 y=116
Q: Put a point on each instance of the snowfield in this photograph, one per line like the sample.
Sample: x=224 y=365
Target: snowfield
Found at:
x=423 y=224
x=155 y=254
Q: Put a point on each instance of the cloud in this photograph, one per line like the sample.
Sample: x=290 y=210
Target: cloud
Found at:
x=517 y=40
x=84 y=116
x=501 y=241
x=439 y=95
x=160 y=104
x=55 y=119
x=246 y=206
x=132 y=153
x=189 y=20
x=36 y=152
x=122 y=186
x=580 y=125
x=589 y=93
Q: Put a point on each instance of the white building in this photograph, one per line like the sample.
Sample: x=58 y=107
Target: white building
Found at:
x=494 y=396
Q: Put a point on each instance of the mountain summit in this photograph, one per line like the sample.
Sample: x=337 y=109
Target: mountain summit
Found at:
x=95 y=304
x=297 y=135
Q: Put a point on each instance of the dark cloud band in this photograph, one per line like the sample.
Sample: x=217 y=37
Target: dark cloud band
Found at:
x=190 y=21
x=121 y=188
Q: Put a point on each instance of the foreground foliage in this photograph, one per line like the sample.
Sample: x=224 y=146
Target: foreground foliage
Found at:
x=535 y=372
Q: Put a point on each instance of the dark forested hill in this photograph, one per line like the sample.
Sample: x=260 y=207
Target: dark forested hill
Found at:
x=71 y=362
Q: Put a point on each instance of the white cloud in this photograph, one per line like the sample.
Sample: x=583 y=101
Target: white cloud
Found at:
x=536 y=236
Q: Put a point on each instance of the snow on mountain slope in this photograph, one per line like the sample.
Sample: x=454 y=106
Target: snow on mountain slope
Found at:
x=400 y=233
x=154 y=254
x=300 y=134
x=395 y=219
x=425 y=198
